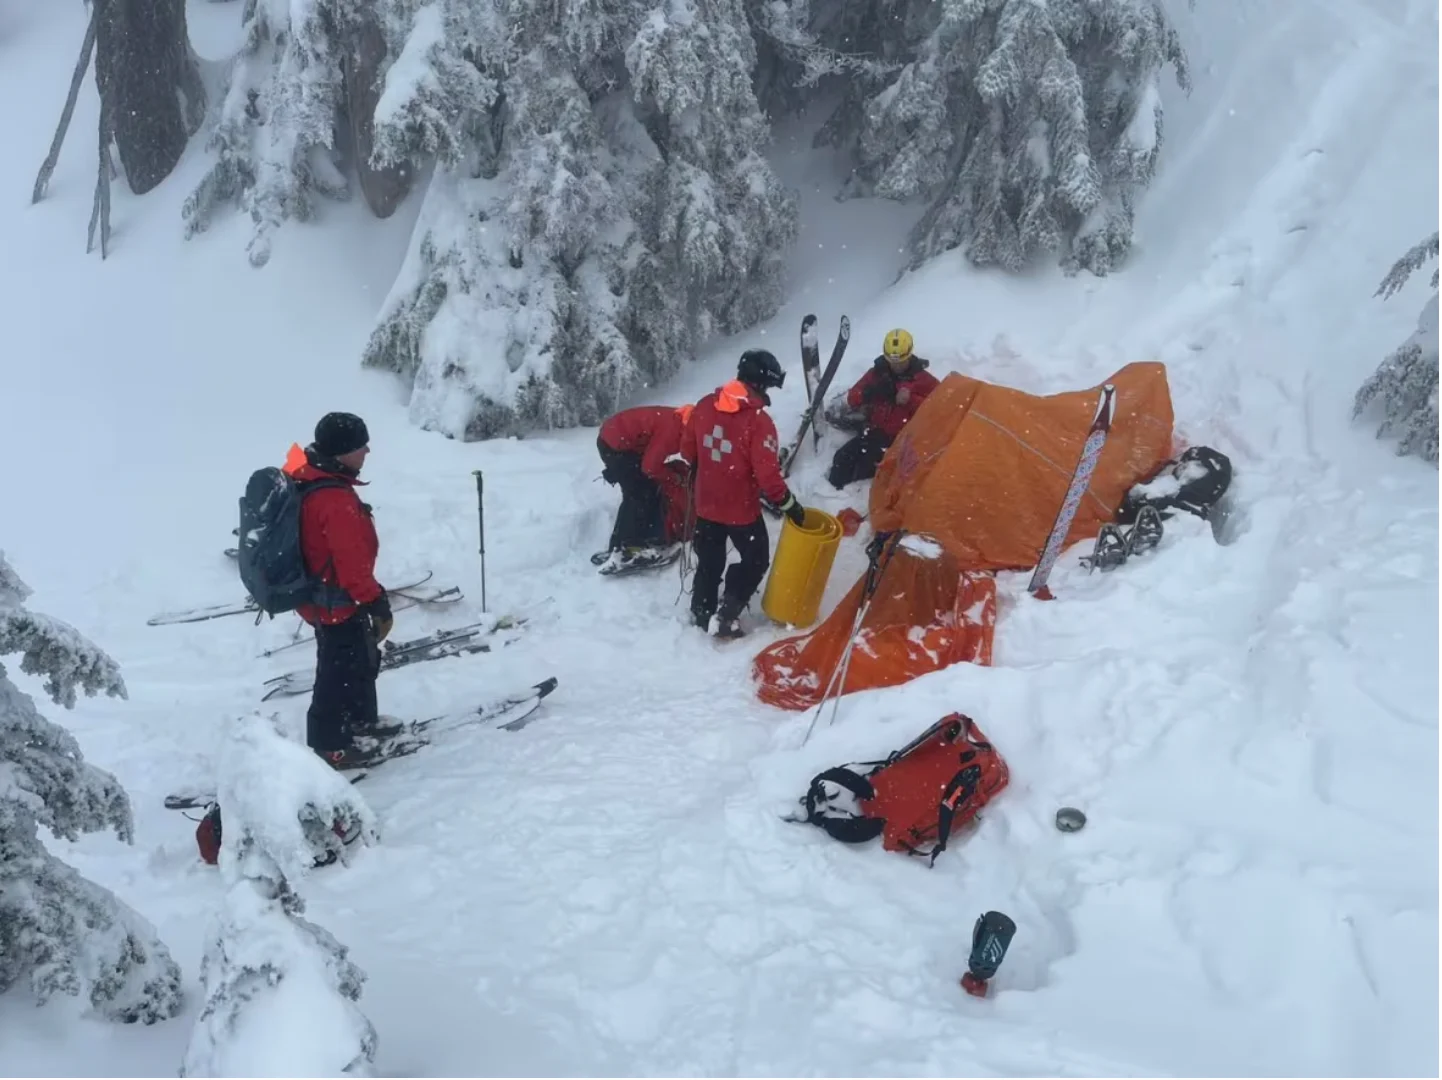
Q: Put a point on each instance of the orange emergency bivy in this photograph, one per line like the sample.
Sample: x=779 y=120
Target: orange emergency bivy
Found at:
x=978 y=475
x=984 y=468
x=925 y=614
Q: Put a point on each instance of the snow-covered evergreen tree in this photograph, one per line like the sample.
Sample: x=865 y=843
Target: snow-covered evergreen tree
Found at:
x=598 y=204
x=611 y=211
x=1028 y=126
x=57 y=929
x=1404 y=385
x=280 y=993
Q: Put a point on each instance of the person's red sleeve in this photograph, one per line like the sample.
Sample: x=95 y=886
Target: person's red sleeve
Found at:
x=921 y=388
x=854 y=395
x=350 y=539
x=765 y=462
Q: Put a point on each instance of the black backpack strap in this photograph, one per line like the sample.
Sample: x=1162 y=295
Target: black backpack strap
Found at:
x=841 y=824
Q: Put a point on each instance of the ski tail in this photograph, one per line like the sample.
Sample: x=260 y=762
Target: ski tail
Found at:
x=817 y=398
x=1081 y=478
x=810 y=355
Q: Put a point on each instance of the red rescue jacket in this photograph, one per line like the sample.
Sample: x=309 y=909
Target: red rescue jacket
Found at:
x=731 y=441
x=654 y=432
x=886 y=414
x=629 y=431
x=337 y=538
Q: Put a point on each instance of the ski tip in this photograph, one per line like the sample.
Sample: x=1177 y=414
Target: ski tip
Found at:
x=188 y=802
x=545 y=687
x=845 y=327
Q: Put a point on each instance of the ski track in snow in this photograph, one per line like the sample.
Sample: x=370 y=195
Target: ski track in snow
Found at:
x=1250 y=727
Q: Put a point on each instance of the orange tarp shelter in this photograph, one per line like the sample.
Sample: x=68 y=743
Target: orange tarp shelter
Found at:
x=984 y=468
x=975 y=479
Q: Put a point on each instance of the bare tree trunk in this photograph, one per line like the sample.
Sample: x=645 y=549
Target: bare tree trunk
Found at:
x=147 y=70
x=42 y=181
x=100 y=212
x=383 y=188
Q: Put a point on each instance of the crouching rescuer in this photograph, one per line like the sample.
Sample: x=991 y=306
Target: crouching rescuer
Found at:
x=888 y=395
x=635 y=445
x=730 y=443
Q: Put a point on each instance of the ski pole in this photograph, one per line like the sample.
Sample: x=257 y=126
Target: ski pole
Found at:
x=481 y=528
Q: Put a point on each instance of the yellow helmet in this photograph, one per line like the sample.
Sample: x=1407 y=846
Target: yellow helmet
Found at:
x=897 y=346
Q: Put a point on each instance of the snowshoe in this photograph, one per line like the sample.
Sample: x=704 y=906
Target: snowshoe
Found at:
x=632 y=560
x=1110 y=550
x=1146 y=533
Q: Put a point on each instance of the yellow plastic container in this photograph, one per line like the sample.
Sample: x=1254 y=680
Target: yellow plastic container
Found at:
x=800 y=568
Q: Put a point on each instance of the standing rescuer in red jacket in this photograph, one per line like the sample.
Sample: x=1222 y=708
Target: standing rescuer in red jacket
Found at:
x=634 y=445
x=889 y=395
x=730 y=441
x=339 y=543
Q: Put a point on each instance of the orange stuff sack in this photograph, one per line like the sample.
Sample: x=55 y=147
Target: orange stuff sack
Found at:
x=918 y=797
x=983 y=468
x=924 y=615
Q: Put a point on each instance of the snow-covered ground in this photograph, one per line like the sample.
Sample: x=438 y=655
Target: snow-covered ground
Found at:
x=1251 y=728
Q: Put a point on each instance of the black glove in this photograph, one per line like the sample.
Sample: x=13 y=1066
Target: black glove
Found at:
x=794 y=510
x=379 y=613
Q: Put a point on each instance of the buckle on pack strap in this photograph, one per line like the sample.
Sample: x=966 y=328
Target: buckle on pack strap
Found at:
x=839 y=823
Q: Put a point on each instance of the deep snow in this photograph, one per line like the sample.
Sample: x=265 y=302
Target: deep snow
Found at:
x=1251 y=728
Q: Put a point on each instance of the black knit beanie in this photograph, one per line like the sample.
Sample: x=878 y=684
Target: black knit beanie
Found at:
x=340 y=433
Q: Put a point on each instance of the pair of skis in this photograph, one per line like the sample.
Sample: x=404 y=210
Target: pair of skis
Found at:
x=402 y=596
x=510 y=713
x=457 y=641
x=817 y=384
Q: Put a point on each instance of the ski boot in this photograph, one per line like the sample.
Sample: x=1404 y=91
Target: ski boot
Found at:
x=1145 y=533
x=990 y=938
x=1110 y=551
x=728 y=622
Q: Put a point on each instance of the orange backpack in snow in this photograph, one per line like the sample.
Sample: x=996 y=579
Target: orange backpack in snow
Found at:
x=915 y=799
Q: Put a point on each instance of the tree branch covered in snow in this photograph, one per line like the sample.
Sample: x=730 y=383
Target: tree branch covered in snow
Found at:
x=280 y=992
x=1028 y=127
x=1405 y=383
x=1403 y=268
x=65 y=933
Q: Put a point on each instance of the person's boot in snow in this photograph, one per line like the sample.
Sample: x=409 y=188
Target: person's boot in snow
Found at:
x=728 y=620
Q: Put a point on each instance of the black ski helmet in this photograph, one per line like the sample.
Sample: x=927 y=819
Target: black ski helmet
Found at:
x=760 y=370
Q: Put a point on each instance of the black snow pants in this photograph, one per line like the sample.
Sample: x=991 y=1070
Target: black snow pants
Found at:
x=858 y=459
x=639 y=521
x=742 y=579
x=343 y=703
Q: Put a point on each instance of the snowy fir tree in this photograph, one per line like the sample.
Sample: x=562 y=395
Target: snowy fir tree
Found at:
x=598 y=201
x=1028 y=127
x=1404 y=386
x=280 y=992
x=58 y=930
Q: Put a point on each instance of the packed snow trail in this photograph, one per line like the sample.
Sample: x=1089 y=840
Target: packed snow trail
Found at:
x=1250 y=727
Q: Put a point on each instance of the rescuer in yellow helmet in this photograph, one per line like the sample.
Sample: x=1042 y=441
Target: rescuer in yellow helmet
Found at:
x=888 y=395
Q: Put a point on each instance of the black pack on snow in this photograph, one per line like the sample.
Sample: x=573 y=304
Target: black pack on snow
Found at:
x=272 y=567
x=1194 y=482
